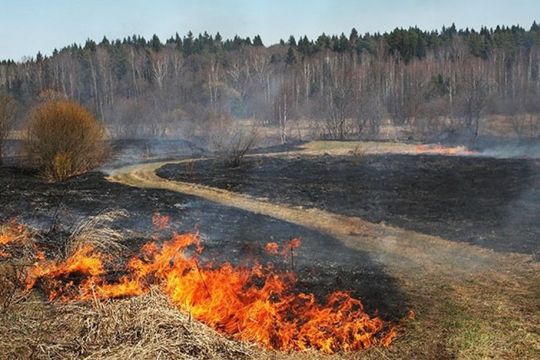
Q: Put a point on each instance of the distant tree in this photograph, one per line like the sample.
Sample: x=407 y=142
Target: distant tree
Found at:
x=104 y=41
x=323 y=42
x=353 y=38
x=257 y=41
x=218 y=38
x=155 y=43
x=474 y=97
x=291 y=57
x=292 y=41
x=188 y=43
x=8 y=112
x=90 y=45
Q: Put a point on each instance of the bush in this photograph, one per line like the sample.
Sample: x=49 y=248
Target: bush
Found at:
x=64 y=139
x=233 y=144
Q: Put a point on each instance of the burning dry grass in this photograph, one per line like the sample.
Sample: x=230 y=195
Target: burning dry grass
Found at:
x=255 y=304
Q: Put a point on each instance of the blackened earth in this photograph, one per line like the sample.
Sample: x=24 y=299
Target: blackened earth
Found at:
x=323 y=263
x=493 y=203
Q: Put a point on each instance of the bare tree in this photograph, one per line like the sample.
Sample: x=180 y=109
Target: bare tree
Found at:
x=283 y=108
x=8 y=112
x=474 y=98
x=339 y=101
x=369 y=115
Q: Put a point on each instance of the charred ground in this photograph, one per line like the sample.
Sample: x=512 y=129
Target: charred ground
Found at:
x=229 y=234
x=485 y=201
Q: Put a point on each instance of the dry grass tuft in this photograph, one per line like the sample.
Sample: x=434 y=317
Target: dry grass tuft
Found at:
x=98 y=232
x=145 y=327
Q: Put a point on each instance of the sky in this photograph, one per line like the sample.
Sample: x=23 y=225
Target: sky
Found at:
x=29 y=26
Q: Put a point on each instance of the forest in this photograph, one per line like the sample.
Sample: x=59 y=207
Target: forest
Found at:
x=452 y=84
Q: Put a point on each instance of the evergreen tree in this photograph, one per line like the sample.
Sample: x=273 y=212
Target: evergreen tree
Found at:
x=257 y=41
x=353 y=38
x=323 y=42
x=90 y=45
x=188 y=43
x=155 y=43
x=291 y=57
x=104 y=42
x=292 y=41
x=218 y=38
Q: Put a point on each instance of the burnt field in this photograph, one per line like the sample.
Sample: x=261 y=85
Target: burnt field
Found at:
x=420 y=274
x=228 y=234
x=492 y=203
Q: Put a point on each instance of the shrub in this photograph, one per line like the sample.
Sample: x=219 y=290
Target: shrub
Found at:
x=234 y=144
x=64 y=139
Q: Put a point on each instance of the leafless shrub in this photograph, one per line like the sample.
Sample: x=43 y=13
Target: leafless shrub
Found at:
x=8 y=111
x=232 y=141
x=63 y=139
x=237 y=145
x=98 y=232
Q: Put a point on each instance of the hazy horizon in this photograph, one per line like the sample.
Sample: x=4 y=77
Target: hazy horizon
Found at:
x=37 y=25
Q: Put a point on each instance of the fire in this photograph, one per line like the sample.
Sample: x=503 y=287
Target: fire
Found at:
x=159 y=221
x=11 y=234
x=272 y=248
x=256 y=303
x=443 y=150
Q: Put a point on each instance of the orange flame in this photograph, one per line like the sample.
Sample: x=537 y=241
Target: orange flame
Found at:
x=272 y=248
x=256 y=304
x=160 y=222
x=443 y=150
x=11 y=234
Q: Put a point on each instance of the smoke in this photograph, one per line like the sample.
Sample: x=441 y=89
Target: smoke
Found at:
x=520 y=151
x=127 y=152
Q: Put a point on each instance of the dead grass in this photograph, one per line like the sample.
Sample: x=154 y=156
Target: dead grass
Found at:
x=98 y=232
x=146 y=327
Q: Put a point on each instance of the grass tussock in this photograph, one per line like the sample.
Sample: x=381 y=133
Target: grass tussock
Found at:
x=145 y=327
x=98 y=232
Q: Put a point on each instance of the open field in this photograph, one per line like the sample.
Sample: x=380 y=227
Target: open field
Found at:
x=411 y=241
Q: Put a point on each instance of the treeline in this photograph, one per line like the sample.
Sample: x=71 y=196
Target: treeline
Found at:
x=425 y=83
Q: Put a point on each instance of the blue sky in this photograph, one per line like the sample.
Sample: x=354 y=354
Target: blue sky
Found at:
x=29 y=26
